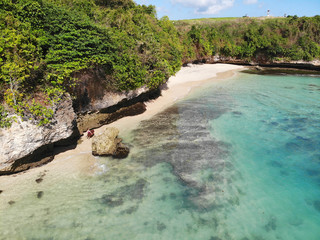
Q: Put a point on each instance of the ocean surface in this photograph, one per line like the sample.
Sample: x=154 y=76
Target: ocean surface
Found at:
x=238 y=159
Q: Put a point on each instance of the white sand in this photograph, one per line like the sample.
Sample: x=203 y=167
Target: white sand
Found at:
x=79 y=161
x=196 y=73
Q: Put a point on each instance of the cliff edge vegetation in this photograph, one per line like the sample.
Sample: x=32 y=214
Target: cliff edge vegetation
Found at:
x=44 y=43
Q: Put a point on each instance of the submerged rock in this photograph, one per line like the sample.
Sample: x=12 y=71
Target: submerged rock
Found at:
x=122 y=151
x=108 y=144
x=111 y=201
x=39 y=194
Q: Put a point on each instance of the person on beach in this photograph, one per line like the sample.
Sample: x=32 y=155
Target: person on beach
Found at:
x=90 y=133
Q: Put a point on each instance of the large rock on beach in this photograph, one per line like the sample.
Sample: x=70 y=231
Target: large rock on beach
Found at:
x=25 y=144
x=108 y=144
x=105 y=143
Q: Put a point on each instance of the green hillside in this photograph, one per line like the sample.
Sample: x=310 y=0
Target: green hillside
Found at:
x=251 y=39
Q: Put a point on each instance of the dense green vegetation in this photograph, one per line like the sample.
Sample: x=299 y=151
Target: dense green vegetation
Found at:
x=252 y=39
x=44 y=43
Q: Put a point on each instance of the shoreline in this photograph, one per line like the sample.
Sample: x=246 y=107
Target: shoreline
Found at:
x=80 y=161
x=176 y=90
x=294 y=65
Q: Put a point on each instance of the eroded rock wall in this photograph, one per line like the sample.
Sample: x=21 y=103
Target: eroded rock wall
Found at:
x=26 y=144
x=95 y=90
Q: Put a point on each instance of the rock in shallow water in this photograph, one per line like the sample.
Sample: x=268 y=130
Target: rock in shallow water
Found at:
x=122 y=151
x=108 y=144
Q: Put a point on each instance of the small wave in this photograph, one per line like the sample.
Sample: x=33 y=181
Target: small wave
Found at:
x=101 y=168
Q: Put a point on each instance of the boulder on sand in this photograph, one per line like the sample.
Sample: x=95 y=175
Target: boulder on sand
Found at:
x=108 y=144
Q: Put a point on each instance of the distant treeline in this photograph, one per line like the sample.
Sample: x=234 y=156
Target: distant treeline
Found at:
x=45 y=42
x=252 y=39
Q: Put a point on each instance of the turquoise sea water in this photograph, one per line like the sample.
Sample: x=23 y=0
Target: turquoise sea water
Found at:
x=238 y=159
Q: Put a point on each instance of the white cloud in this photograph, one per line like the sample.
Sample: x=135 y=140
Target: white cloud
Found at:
x=207 y=6
x=250 y=1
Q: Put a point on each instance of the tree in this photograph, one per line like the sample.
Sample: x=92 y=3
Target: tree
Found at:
x=116 y=3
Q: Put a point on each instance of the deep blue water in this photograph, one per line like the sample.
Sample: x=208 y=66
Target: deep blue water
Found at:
x=238 y=159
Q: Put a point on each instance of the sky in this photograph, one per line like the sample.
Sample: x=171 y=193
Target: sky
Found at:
x=190 y=9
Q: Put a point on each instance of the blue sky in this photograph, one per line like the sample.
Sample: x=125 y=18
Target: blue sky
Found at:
x=189 y=9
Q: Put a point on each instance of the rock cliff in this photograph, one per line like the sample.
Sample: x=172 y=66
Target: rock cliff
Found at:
x=95 y=91
x=26 y=145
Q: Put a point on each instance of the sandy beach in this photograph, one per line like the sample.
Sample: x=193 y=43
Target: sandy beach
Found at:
x=79 y=161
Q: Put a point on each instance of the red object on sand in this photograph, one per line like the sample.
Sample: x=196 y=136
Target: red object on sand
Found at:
x=90 y=133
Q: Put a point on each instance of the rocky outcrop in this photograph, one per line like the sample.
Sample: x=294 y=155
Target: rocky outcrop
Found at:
x=122 y=151
x=99 y=118
x=313 y=65
x=26 y=145
x=108 y=144
x=262 y=61
x=95 y=91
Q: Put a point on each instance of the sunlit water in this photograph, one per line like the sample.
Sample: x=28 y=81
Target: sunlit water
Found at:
x=238 y=160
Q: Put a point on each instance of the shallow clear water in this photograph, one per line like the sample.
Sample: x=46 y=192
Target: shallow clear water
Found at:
x=239 y=159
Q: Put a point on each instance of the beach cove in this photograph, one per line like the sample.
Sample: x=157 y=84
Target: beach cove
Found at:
x=233 y=156
x=81 y=161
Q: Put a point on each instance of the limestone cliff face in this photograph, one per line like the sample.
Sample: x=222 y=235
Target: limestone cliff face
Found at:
x=25 y=144
x=95 y=91
x=98 y=103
